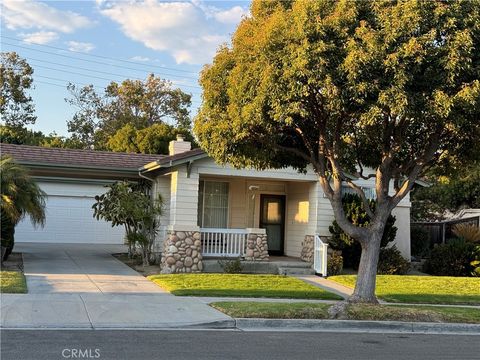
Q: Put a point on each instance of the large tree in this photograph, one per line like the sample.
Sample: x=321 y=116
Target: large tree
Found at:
x=151 y=140
x=138 y=103
x=345 y=87
x=16 y=105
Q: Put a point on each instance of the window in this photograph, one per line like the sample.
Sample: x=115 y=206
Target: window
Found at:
x=213 y=204
x=369 y=192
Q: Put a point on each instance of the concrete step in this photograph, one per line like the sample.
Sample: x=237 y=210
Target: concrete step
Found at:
x=296 y=270
x=293 y=264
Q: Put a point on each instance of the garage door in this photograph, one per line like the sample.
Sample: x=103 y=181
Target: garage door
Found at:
x=69 y=218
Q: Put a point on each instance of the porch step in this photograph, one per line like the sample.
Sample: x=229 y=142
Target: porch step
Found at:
x=294 y=270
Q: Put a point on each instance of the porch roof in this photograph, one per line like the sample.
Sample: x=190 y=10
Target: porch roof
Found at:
x=174 y=160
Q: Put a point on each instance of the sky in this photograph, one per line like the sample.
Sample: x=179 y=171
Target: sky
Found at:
x=96 y=42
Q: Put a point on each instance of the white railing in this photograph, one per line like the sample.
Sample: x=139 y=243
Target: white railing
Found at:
x=223 y=242
x=320 y=256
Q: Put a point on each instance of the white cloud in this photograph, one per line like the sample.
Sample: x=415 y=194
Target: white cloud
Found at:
x=30 y=14
x=39 y=37
x=230 y=16
x=140 y=58
x=80 y=46
x=188 y=31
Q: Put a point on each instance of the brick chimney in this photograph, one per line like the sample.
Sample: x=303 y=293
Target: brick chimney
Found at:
x=179 y=146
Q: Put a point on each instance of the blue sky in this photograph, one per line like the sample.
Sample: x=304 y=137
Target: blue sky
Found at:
x=96 y=42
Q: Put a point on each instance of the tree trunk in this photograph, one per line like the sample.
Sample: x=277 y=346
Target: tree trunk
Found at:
x=367 y=271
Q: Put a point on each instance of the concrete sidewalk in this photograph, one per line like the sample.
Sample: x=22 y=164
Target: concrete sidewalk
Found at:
x=102 y=311
x=326 y=284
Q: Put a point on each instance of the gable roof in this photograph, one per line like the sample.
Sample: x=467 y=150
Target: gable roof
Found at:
x=37 y=155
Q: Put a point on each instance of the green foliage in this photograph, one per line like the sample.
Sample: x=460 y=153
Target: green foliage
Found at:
x=334 y=264
x=20 y=196
x=129 y=204
x=419 y=241
x=139 y=104
x=355 y=213
x=460 y=190
x=455 y=258
x=391 y=262
x=231 y=266
x=151 y=140
x=16 y=106
x=304 y=78
x=20 y=136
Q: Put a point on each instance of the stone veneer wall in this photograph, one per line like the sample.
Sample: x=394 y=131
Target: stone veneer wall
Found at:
x=308 y=245
x=182 y=252
x=256 y=247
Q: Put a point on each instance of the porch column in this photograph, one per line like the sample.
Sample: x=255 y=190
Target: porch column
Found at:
x=182 y=245
x=256 y=246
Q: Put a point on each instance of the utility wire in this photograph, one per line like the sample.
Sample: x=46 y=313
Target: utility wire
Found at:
x=79 y=84
x=103 y=57
x=97 y=77
x=91 y=70
x=88 y=61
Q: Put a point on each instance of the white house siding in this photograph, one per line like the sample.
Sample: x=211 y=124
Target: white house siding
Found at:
x=301 y=212
x=183 y=198
x=402 y=240
x=69 y=217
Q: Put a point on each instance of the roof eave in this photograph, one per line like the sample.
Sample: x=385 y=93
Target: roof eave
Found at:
x=37 y=165
x=155 y=165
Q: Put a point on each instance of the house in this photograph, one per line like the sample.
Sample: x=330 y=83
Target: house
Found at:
x=210 y=210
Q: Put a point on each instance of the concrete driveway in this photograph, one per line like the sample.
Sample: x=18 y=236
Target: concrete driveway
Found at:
x=84 y=286
x=80 y=268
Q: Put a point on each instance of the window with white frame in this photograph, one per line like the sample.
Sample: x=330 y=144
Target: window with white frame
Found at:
x=213 y=204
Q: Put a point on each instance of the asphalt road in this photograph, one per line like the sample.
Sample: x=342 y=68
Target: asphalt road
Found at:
x=204 y=344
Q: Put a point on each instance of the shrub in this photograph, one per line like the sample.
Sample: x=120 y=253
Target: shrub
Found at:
x=231 y=266
x=351 y=249
x=334 y=264
x=469 y=232
x=391 y=262
x=419 y=241
x=453 y=259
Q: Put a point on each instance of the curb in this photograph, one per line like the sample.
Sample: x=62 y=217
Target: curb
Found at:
x=213 y=325
x=255 y=324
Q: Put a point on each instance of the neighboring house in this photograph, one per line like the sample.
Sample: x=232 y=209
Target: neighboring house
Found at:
x=210 y=210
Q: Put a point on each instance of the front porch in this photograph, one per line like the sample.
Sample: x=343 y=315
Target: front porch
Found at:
x=226 y=213
x=278 y=265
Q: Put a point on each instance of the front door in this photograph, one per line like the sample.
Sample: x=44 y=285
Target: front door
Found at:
x=272 y=219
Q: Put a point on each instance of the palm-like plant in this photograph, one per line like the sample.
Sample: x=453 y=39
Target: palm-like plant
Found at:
x=20 y=196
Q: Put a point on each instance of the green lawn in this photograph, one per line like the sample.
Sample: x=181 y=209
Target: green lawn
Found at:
x=302 y=310
x=12 y=282
x=273 y=310
x=422 y=289
x=240 y=285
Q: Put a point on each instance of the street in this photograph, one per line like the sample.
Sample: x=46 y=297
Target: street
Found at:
x=214 y=344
